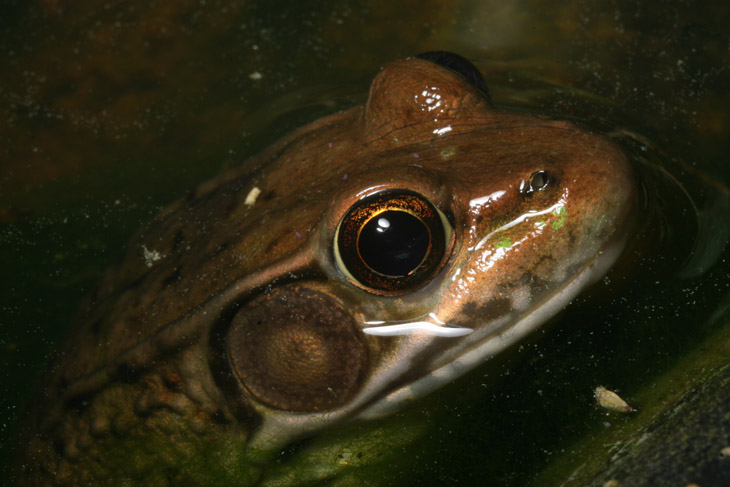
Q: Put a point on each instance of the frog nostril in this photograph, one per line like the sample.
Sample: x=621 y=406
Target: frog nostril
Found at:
x=392 y=241
x=537 y=181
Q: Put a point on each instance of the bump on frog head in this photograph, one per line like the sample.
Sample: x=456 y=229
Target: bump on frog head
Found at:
x=429 y=89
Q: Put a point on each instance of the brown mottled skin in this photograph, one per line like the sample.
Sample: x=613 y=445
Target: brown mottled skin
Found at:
x=148 y=351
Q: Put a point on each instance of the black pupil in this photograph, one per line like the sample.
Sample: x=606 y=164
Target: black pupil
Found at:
x=393 y=243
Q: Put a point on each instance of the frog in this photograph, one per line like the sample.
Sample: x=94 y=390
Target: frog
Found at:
x=348 y=270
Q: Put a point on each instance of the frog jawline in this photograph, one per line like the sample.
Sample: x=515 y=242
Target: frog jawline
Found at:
x=493 y=344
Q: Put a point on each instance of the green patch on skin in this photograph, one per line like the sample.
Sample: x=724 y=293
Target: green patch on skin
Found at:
x=503 y=243
x=562 y=214
x=448 y=153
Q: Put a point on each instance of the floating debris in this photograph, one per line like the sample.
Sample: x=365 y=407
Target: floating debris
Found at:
x=725 y=452
x=610 y=400
x=251 y=196
x=150 y=256
x=611 y=483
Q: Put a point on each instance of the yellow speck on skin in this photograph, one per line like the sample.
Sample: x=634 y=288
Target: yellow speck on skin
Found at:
x=448 y=153
x=610 y=400
x=252 y=195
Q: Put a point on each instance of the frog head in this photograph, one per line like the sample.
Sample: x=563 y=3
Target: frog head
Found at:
x=356 y=265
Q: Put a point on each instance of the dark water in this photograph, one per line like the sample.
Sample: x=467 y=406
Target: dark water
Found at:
x=110 y=111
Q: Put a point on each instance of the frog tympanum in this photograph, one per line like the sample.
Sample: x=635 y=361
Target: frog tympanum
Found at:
x=355 y=265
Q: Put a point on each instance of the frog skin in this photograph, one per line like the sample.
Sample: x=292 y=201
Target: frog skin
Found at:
x=357 y=264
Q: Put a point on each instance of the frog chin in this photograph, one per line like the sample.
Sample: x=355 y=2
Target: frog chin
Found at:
x=443 y=357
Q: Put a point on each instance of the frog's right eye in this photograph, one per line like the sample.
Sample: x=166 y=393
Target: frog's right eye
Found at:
x=392 y=242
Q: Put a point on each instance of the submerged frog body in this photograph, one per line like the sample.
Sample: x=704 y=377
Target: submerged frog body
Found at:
x=357 y=264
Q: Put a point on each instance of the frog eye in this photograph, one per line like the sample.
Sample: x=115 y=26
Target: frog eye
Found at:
x=392 y=242
x=538 y=181
x=459 y=65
